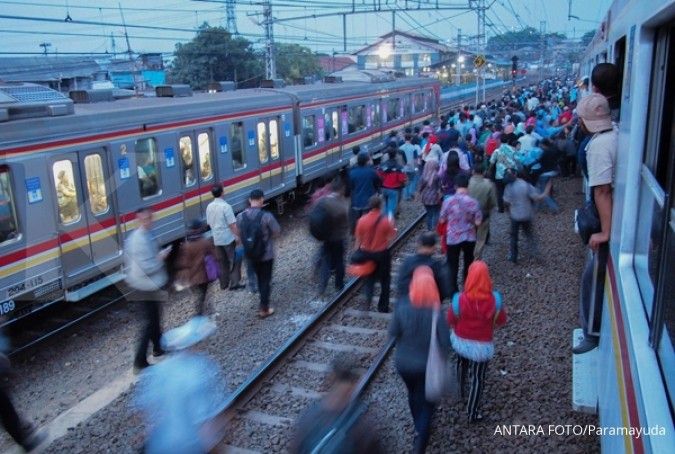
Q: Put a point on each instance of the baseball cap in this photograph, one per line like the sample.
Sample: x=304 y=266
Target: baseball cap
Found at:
x=594 y=111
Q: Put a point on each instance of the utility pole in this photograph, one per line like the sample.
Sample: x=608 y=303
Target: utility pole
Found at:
x=45 y=46
x=270 y=59
x=126 y=35
x=542 y=49
x=231 y=17
x=459 y=56
x=113 y=45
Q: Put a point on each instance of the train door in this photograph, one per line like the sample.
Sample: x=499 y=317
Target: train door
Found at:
x=269 y=154
x=198 y=172
x=88 y=233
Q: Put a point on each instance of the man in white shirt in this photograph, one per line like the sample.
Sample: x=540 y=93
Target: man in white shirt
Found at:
x=601 y=150
x=532 y=103
x=146 y=274
x=220 y=217
x=529 y=140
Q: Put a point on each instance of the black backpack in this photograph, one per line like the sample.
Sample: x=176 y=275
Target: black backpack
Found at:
x=252 y=237
x=319 y=222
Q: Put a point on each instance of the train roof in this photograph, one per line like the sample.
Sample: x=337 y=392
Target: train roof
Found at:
x=147 y=111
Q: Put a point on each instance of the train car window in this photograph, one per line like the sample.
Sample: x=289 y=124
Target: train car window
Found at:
x=619 y=60
x=309 y=131
x=262 y=142
x=66 y=192
x=147 y=167
x=393 y=109
x=328 y=131
x=9 y=225
x=274 y=139
x=187 y=156
x=357 y=118
x=204 y=147
x=418 y=102
x=236 y=147
x=335 y=123
x=377 y=114
x=93 y=170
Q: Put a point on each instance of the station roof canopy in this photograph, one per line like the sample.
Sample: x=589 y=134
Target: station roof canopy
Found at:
x=405 y=43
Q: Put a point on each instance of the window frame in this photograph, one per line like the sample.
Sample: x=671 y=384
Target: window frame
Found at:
x=6 y=169
x=209 y=153
x=78 y=195
x=264 y=137
x=184 y=167
x=242 y=144
x=105 y=186
x=157 y=164
x=276 y=144
x=306 y=121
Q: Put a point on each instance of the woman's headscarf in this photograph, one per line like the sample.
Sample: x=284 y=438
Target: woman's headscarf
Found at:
x=423 y=291
x=478 y=285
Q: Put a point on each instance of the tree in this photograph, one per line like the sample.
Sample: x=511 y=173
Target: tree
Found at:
x=587 y=37
x=527 y=37
x=295 y=61
x=214 y=55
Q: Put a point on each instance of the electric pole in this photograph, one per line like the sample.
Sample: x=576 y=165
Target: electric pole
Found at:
x=126 y=35
x=542 y=33
x=231 y=17
x=270 y=59
x=459 y=56
x=45 y=46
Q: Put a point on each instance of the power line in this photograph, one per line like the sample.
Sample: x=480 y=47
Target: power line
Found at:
x=110 y=8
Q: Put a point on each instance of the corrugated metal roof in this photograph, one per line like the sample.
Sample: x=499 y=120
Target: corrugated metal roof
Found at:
x=46 y=68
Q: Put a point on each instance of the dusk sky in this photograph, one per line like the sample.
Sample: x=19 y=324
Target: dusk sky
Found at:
x=176 y=20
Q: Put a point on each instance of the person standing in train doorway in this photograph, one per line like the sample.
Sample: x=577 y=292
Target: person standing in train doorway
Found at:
x=146 y=275
x=595 y=118
x=258 y=230
x=223 y=224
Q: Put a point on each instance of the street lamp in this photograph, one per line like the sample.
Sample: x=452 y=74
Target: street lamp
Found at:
x=460 y=65
x=384 y=52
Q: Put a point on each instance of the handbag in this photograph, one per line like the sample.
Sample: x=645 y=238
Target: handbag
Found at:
x=587 y=221
x=436 y=381
x=211 y=267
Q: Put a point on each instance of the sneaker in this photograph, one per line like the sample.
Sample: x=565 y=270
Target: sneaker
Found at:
x=265 y=314
x=586 y=345
x=139 y=367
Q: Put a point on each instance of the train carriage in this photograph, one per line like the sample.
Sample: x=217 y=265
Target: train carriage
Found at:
x=72 y=179
x=634 y=367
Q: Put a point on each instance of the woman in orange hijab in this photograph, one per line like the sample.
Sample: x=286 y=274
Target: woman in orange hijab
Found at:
x=411 y=329
x=474 y=315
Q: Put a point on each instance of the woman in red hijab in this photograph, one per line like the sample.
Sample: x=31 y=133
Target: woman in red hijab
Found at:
x=473 y=317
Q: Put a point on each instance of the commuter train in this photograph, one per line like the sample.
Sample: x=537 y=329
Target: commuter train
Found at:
x=72 y=177
x=634 y=367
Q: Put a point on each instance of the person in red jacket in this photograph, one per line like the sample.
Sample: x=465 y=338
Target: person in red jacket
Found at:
x=473 y=317
x=393 y=179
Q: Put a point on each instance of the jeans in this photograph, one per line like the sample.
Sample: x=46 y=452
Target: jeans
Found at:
x=263 y=274
x=390 y=201
x=500 y=194
x=433 y=212
x=529 y=234
x=200 y=291
x=422 y=410
x=477 y=369
x=593 y=291
x=333 y=259
x=411 y=187
x=482 y=233
x=541 y=185
x=252 y=280
x=383 y=274
x=152 y=332
x=230 y=268
x=465 y=247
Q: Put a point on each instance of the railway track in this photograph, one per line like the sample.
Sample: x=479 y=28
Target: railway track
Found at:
x=260 y=413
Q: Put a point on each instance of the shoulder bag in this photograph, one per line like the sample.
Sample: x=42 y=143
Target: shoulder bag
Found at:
x=437 y=379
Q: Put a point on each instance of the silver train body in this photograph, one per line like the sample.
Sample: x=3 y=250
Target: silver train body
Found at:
x=70 y=184
x=634 y=369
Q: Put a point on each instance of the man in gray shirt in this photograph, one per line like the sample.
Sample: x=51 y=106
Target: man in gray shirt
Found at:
x=520 y=195
x=146 y=274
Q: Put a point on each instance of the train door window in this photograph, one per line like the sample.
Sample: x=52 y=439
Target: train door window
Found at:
x=66 y=192
x=619 y=60
x=147 y=167
x=335 y=123
x=356 y=118
x=93 y=171
x=393 y=109
x=377 y=114
x=9 y=226
x=274 y=139
x=236 y=145
x=344 y=119
x=188 y=160
x=263 y=154
x=309 y=131
x=328 y=128
x=204 y=147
